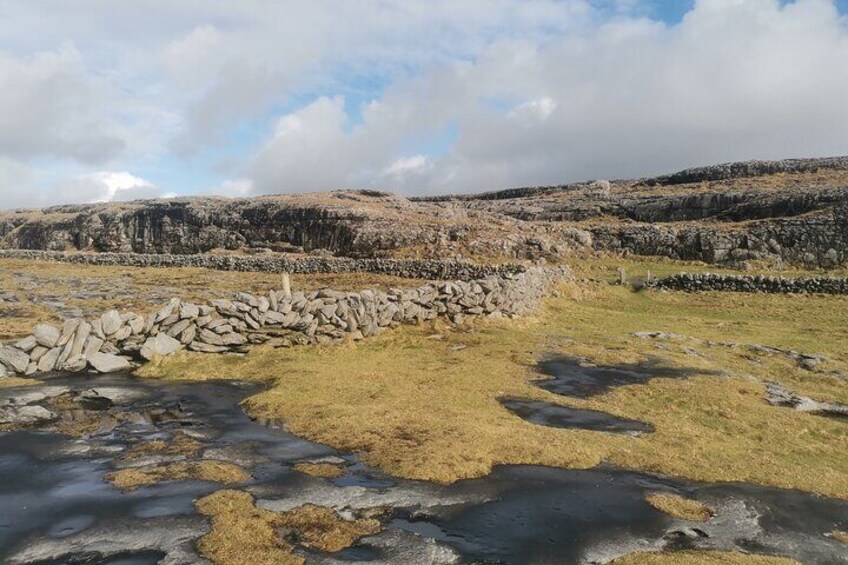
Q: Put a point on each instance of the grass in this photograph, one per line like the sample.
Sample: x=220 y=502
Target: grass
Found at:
x=679 y=507
x=96 y=289
x=212 y=471
x=180 y=444
x=425 y=409
x=840 y=536
x=242 y=533
x=700 y=558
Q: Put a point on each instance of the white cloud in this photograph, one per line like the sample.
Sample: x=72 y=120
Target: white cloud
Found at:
x=536 y=91
x=734 y=80
x=111 y=186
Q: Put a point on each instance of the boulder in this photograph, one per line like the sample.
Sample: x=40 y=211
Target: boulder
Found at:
x=68 y=329
x=189 y=311
x=48 y=360
x=159 y=346
x=27 y=344
x=80 y=337
x=75 y=364
x=110 y=322
x=46 y=335
x=25 y=415
x=92 y=346
x=108 y=363
x=136 y=324
x=13 y=358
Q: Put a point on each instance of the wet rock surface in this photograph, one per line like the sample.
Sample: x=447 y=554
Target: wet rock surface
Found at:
x=56 y=507
x=554 y=415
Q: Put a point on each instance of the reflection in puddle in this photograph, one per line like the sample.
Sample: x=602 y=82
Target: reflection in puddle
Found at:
x=54 y=502
x=570 y=378
x=553 y=415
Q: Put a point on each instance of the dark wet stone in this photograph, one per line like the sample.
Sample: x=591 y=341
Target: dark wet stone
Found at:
x=553 y=415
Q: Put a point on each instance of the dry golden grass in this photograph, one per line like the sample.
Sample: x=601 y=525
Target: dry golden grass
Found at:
x=840 y=536
x=421 y=409
x=143 y=289
x=12 y=381
x=212 y=471
x=180 y=444
x=679 y=507
x=700 y=558
x=242 y=533
x=322 y=470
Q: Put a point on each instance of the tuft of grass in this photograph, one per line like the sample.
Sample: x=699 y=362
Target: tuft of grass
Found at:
x=679 y=507
x=180 y=444
x=840 y=536
x=700 y=558
x=242 y=533
x=14 y=381
x=212 y=471
x=322 y=470
x=428 y=409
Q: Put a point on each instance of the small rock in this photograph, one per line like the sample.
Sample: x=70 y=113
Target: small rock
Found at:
x=108 y=363
x=75 y=364
x=13 y=358
x=25 y=415
x=110 y=322
x=27 y=344
x=159 y=346
x=46 y=335
x=48 y=360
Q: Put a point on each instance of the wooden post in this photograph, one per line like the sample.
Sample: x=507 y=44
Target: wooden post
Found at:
x=286 y=285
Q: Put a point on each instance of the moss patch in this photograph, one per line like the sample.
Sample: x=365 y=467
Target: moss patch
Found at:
x=700 y=558
x=242 y=533
x=212 y=471
x=679 y=507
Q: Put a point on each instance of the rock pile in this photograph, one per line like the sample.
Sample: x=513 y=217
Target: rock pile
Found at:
x=114 y=341
x=406 y=268
x=694 y=282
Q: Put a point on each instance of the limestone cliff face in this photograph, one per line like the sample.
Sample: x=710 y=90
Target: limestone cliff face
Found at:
x=791 y=212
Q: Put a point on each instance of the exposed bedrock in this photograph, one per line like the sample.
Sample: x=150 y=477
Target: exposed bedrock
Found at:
x=810 y=241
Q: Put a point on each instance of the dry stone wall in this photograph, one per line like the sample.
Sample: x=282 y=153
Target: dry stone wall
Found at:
x=115 y=341
x=407 y=268
x=694 y=282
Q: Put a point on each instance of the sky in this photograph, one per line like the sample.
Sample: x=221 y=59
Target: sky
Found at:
x=110 y=101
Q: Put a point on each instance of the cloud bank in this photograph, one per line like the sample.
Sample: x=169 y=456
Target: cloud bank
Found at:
x=411 y=96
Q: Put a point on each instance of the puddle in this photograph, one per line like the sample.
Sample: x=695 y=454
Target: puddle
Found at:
x=553 y=415
x=570 y=378
x=56 y=507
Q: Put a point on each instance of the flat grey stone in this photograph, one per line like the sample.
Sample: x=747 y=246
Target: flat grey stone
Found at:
x=108 y=363
x=13 y=358
x=159 y=346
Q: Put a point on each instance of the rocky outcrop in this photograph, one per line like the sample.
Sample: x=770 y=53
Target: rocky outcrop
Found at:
x=755 y=168
x=696 y=282
x=816 y=241
x=114 y=340
x=793 y=212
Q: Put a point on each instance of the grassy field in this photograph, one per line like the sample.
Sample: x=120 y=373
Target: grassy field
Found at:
x=423 y=407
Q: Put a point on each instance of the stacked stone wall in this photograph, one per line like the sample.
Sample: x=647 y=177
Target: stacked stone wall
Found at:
x=406 y=268
x=696 y=282
x=116 y=341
